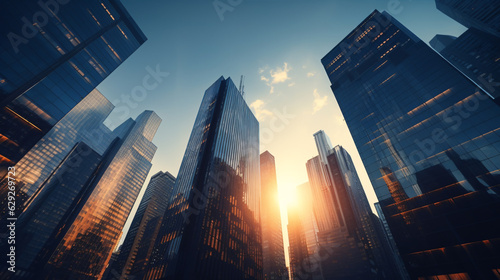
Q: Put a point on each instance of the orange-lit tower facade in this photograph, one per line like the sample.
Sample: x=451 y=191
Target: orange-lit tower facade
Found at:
x=75 y=220
x=272 y=237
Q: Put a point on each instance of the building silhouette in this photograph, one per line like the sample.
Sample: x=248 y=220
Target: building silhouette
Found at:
x=475 y=52
x=53 y=55
x=138 y=244
x=405 y=107
x=273 y=253
x=355 y=248
x=84 y=123
x=211 y=230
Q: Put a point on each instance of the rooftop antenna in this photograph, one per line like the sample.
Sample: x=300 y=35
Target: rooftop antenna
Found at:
x=242 y=86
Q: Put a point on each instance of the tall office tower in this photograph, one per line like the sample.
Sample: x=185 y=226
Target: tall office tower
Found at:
x=273 y=253
x=482 y=15
x=440 y=41
x=53 y=54
x=321 y=192
x=88 y=241
x=392 y=244
x=310 y=230
x=300 y=262
x=211 y=229
x=84 y=123
x=43 y=223
x=59 y=203
x=138 y=244
x=476 y=52
x=430 y=141
x=354 y=248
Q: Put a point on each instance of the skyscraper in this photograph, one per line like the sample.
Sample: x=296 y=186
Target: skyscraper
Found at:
x=45 y=220
x=88 y=241
x=475 y=52
x=440 y=41
x=300 y=262
x=55 y=53
x=321 y=192
x=138 y=244
x=84 y=123
x=430 y=141
x=272 y=237
x=211 y=229
x=62 y=232
x=309 y=233
x=354 y=248
x=482 y=15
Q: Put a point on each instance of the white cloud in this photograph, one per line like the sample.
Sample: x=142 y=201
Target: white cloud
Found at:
x=291 y=84
x=319 y=101
x=277 y=76
x=280 y=75
x=260 y=113
x=310 y=74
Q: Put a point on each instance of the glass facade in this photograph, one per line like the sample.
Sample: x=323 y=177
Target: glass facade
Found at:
x=49 y=212
x=300 y=261
x=138 y=244
x=54 y=54
x=483 y=15
x=211 y=229
x=439 y=42
x=308 y=266
x=87 y=245
x=272 y=236
x=319 y=182
x=430 y=142
x=476 y=52
x=84 y=123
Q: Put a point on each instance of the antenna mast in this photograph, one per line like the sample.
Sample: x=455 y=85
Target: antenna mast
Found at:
x=242 y=86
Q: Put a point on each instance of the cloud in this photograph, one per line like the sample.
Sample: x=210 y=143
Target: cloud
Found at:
x=260 y=113
x=291 y=84
x=319 y=101
x=276 y=76
x=280 y=75
x=310 y=74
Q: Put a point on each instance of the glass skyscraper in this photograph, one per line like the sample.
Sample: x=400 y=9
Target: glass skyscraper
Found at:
x=476 y=52
x=305 y=261
x=88 y=241
x=430 y=142
x=138 y=244
x=74 y=220
x=300 y=259
x=355 y=246
x=53 y=54
x=83 y=123
x=211 y=229
x=482 y=15
x=272 y=236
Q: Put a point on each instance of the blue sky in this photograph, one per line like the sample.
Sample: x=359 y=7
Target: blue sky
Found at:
x=277 y=45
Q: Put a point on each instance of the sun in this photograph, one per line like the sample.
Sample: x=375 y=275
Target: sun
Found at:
x=287 y=196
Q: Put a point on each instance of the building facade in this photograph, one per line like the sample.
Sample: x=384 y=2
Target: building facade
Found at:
x=429 y=139
x=272 y=236
x=89 y=240
x=55 y=53
x=84 y=123
x=211 y=229
x=480 y=15
x=138 y=244
x=475 y=52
